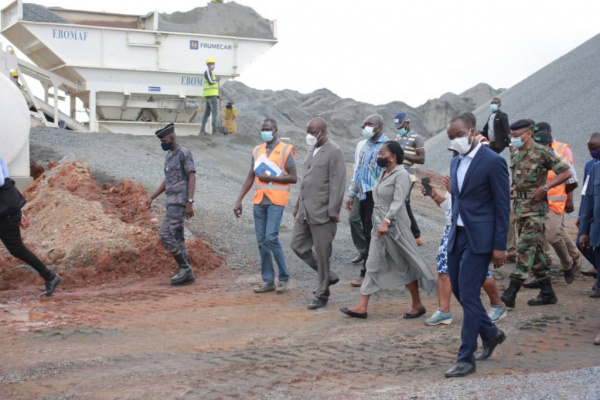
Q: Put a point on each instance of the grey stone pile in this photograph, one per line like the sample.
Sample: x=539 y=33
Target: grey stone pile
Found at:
x=565 y=93
x=36 y=13
x=230 y=19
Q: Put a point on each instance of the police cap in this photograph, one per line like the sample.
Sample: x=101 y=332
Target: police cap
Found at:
x=167 y=130
x=542 y=137
x=542 y=126
x=399 y=119
x=522 y=123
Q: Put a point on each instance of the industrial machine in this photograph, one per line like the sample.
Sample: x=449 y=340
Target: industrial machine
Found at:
x=131 y=76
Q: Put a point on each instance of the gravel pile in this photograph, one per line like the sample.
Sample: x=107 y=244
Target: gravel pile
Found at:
x=37 y=13
x=230 y=19
x=565 y=93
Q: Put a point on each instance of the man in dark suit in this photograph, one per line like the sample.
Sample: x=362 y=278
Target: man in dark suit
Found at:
x=317 y=210
x=496 y=129
x=480 y=210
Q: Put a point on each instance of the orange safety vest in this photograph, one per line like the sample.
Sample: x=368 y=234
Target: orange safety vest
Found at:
x=482 y=139
x=278 y=193
x=557 y=196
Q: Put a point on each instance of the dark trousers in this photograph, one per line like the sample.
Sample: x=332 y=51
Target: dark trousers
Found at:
x=413 y=222
x=467 y=273
x=356 y=228
x=10 y=234
x=587 y=253
x=497 y=149
x=597 y=258
x=366 y=214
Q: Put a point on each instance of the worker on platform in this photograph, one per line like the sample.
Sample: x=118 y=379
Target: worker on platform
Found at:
x=15 y=78
x=211 y=96
x=229 y=116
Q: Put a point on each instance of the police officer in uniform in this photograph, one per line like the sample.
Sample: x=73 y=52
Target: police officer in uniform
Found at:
x=529 y=164
x=179 y=186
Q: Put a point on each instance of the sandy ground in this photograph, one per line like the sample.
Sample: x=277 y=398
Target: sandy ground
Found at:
x=218 y=340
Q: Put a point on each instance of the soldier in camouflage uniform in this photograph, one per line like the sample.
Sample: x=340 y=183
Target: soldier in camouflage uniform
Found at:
x=529 y=164
x=179 y=185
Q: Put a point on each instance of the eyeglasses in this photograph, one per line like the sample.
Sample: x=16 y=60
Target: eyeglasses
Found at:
x=517 y=133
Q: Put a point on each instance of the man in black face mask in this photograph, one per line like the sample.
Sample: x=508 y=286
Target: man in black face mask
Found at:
x=179 y=185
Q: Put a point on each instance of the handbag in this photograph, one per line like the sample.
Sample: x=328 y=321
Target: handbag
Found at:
x=11 y=200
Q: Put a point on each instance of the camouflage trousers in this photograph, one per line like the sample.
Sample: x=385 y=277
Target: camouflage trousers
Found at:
x=171 y=230
x=530 y=248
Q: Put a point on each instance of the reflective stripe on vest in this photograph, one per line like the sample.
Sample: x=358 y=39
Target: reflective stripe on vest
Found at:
x=557 y=196
x=278 y=193
x=211 y=90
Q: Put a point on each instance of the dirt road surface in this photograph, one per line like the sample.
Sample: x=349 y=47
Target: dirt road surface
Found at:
x=216 y=339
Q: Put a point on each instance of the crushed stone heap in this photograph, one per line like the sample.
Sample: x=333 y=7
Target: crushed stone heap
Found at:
x=37 y=13
x=230 y=19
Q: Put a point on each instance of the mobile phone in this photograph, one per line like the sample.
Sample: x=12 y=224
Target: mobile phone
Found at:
x=425 y=182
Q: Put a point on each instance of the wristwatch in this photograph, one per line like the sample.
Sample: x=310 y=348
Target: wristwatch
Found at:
x=545 y=188
x=190 y=200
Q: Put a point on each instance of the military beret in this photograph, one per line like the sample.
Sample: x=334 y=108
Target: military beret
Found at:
x=543 y=137
x=167 y=130
x=520 y=124
x=542 y=126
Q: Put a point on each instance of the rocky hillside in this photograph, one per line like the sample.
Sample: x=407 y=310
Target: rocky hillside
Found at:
x=293 y=109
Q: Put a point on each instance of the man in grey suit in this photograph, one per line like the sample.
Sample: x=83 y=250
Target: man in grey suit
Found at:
x=317 y=211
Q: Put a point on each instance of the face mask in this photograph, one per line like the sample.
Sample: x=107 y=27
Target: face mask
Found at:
x=516 y=142
x=266 y=136
x=494 y=107
x=368 y=132
x=212 y=67
x=382 y=162
x=312 y=140
x=462 y=144
x=595 y=153
x=167 y=146
x=402 y=132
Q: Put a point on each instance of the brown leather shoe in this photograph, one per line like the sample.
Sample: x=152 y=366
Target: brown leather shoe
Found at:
x=597 y=340
x=357 y=282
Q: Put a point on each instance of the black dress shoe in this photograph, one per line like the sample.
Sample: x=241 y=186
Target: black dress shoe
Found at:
x=417 y=315
x=490 y=345
x=353 y=314
x=569 y=275
x=51 y=285
x=460 y=369
x=317 y=303
x=359 y=257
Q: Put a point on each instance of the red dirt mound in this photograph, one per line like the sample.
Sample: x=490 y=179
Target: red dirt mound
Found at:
x=93 y=235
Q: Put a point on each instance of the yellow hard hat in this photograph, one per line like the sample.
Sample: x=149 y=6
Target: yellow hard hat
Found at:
x=210 y=60
x=14 y=73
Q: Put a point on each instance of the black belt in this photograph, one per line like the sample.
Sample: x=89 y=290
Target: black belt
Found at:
x=523 y=195
x=460 y=228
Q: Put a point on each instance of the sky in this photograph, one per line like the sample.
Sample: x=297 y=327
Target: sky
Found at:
x=379 y=51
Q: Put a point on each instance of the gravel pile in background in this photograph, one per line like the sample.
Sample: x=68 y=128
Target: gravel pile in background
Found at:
x=565 y=93
x=37 y=13
x=229 y=19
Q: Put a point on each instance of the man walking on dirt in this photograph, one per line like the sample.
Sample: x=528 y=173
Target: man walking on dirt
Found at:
x=211 y=96
x=272 y=171
x=179 y=186
x=317 y=210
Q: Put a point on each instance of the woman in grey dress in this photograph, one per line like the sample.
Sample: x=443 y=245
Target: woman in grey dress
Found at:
x=394 y=259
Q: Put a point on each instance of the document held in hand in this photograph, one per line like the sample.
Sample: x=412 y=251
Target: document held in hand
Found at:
x=265 y=166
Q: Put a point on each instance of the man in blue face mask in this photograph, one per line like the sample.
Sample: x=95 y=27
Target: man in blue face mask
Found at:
x=496 y=129
x=179 y=186
x=272 y=172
